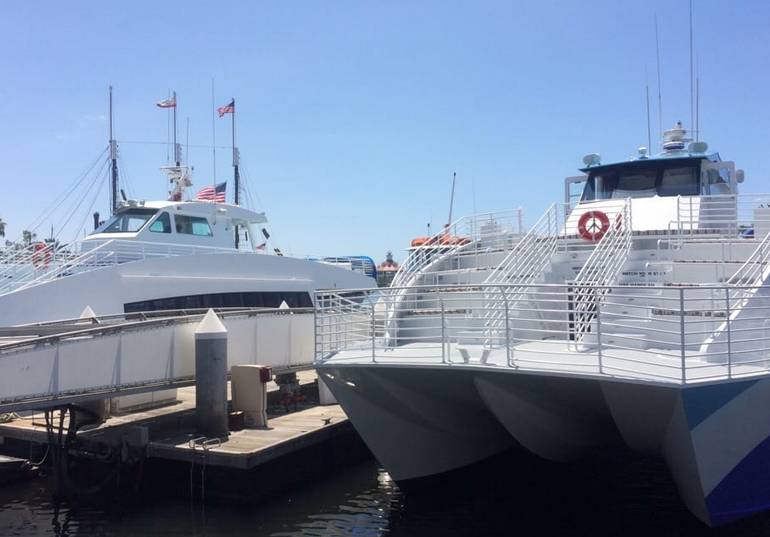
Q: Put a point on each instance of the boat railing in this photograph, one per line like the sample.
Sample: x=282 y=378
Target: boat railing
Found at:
x=471 y=235
x=524 y=264
x=651 y=333
x=48 y=264
x=723 y=215
x=600 y=271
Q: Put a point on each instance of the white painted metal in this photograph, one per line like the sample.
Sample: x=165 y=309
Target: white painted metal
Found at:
x=160 y=352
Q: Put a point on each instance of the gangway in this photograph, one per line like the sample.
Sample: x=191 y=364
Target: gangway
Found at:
x=52 y=364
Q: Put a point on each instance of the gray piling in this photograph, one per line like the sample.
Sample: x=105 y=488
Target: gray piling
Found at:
x=211 y=377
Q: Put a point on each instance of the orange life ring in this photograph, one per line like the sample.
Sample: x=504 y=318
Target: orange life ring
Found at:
x=41 y=257
x=593 y=225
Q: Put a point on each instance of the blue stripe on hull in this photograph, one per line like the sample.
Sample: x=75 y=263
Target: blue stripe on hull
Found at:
x=745 y=490
x=700 y=403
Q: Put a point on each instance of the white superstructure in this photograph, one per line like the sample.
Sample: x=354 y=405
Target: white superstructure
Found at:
x=635 y=313
x=160 y=255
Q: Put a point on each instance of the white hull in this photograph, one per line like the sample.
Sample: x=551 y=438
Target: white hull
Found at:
x=106 y=290
x=417 y=424
x=714 y=438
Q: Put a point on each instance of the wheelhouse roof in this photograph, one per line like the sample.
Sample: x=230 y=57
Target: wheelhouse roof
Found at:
x=674 y=158
x=236 y=213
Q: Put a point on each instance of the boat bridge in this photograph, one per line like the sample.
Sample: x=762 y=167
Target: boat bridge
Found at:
x=57 y=363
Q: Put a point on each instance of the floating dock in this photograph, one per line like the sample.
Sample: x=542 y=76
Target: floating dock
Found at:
x=281 y=454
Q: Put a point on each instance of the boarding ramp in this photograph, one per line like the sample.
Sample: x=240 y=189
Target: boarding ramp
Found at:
x=57 y=363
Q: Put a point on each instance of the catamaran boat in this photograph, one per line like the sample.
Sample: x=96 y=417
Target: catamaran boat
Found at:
x=635 y=313
x=161 y=255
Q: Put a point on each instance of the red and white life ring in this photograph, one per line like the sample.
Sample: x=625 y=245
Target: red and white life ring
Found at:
x=42 y=255
x=593 y=225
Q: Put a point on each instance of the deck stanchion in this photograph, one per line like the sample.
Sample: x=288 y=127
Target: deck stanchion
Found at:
x=598 y=326
x=374 y=334
x=507 y=329
x=443 y=330
x=729 y=335
x=682 y=337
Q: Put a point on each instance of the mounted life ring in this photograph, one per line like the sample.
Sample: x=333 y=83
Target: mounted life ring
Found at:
x=41 y=257
x=593 y=225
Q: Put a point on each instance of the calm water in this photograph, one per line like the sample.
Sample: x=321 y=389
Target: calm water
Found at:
x=615 y=496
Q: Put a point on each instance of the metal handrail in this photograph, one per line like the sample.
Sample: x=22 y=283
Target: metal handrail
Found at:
x=524 y=264
x=659 y=339
x=108 y=253
x=602 y=268
x=101 y=329
x=460 y=235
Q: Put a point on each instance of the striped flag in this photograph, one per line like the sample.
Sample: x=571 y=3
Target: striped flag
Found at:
x=212 y=193
x=228 y=109
x=167 y=103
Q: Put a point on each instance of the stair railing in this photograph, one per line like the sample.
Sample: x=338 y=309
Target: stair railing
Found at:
x=600 y=271
x=522 y=267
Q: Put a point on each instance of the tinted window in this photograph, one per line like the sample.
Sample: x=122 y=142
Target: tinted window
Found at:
x=129 y=221
x=162 y=224
x=679 y=182
x=635 y=184
x=192 y=225
x=262 y=299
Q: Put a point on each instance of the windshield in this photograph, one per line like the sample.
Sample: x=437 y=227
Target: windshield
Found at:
x=654 y=179
x=129 y=221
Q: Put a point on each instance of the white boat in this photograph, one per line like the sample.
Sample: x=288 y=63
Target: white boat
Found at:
x=636 y=313
x=161 y=255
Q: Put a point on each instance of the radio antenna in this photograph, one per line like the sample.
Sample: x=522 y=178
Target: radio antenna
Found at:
x=697 y=108
x=649 y=134
x=692 y=79
x=660 y=95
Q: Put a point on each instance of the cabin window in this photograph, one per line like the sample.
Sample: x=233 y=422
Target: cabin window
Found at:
x=635 y=184
x=644 y=180
x=679 y=182
x=249 y=299
x=129 y=221
x=192 y=225
x=162 y=224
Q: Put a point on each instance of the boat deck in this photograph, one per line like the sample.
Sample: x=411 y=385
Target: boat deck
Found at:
x=558 y=357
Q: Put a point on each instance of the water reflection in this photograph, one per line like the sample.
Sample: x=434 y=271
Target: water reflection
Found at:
x=606 y=496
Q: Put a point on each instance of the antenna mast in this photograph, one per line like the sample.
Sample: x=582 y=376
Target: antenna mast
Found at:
x=451 y=199
x=173 y=141
x=692 y=82
x=649 y=134
x=114 y=166
x=213 y=134
x=236 y=177
x=660 y=95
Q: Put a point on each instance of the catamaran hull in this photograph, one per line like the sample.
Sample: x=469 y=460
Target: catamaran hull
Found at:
x=418 y=422
x=424 y=421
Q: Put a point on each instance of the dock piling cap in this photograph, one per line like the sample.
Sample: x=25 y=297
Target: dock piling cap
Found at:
x=211 y=325
x=87 y=313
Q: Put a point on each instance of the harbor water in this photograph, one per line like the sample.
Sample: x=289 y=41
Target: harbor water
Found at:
x=608 y=495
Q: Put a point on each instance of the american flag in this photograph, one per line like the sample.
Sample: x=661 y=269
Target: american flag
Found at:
x=167 y=103
x=228 y=109
x=212 y=193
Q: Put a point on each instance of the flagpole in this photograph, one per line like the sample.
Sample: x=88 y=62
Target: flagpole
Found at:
x=213 y=134
x=236 y=177
x=176 y=149
x=114 y=166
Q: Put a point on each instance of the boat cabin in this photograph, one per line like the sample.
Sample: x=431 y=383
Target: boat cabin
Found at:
x=682 y=185
x=187 y=223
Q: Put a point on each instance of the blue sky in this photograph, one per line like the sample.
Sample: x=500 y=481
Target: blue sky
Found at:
x=353 y=115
